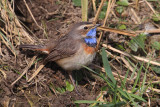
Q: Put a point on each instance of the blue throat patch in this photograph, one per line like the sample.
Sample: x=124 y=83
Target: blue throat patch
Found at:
x=91 y=38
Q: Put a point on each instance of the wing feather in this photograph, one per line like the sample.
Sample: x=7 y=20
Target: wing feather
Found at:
x=65 y=47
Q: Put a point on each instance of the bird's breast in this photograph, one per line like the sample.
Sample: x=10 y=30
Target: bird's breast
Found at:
x=88 y=50
x=83 y=56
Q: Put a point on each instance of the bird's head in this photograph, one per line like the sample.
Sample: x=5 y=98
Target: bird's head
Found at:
x=85 y=31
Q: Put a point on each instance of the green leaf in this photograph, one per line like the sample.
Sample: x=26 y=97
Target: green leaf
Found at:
x=137 y=42
x=156 y=45
x=142 y=87
x=122 y=27
x=123 y=93
x=137 y=79
x=58 y=2
x=69 y=87
x=115 y=94
x=107 y=66
x=104 y=88
x=123 y=2
x=119 y=46
x=156 y=69
x=137 y=97
x=156 y=17
x=128 y=96
x=134 y=46
x=18 y=73
x=101 y=104
x=118 y=104
x=103 y=11
x=60 y=90
x=120 y=9
x=125 y=79
x=102 y=15
x=76 y=2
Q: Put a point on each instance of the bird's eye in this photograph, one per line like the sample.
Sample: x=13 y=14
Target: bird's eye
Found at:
x=85 y=27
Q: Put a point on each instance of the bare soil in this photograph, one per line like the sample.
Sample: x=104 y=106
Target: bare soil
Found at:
x=56 y=17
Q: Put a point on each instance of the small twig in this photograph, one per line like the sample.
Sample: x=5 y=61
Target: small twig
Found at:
x=114 y=73
x=25 y=70
x=153 y=82
x=114 y=15
x=19 y=26
x=129 y=67
x=114 y=56
x=94 y=5
x=29 y=101
x=36 y=82
x=36 y=72
x=31 y=14
x=154 y=89
x=117 y=31
x=4 y=74
x=125 y=65
x=150 y=31
x=109 y=7
x=135 y=3
x=149 y=100
x=132 y=56
x=50 y=13
x=6 y=42
x=98 y=11
x=1 y=50
x=136 y=19
x=149 y=5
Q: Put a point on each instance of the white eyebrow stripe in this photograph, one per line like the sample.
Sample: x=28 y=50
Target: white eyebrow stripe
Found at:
x=81 y=27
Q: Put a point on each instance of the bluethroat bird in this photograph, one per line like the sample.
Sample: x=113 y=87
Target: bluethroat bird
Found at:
x=73 y=50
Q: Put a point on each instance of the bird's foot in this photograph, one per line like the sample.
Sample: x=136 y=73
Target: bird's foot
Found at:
x=73 y=82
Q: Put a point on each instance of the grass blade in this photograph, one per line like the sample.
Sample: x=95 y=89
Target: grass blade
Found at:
x=138 y=77
x=86 y=101
x=107 y=66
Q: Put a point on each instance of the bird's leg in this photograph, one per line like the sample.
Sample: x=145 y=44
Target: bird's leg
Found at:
x=73 y=82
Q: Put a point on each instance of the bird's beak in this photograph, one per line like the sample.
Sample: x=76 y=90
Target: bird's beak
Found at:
x=97 y=25
x=92 y=32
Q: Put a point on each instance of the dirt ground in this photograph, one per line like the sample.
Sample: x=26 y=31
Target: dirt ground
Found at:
x=56 y=17
x=47 y=88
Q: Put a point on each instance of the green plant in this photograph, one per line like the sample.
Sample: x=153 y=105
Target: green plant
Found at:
x=120 y=96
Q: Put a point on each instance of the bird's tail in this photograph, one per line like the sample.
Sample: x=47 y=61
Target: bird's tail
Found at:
x=31 y=46
x=35 y=47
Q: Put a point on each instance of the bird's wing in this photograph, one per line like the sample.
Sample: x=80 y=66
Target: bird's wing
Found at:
x=65 y=47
